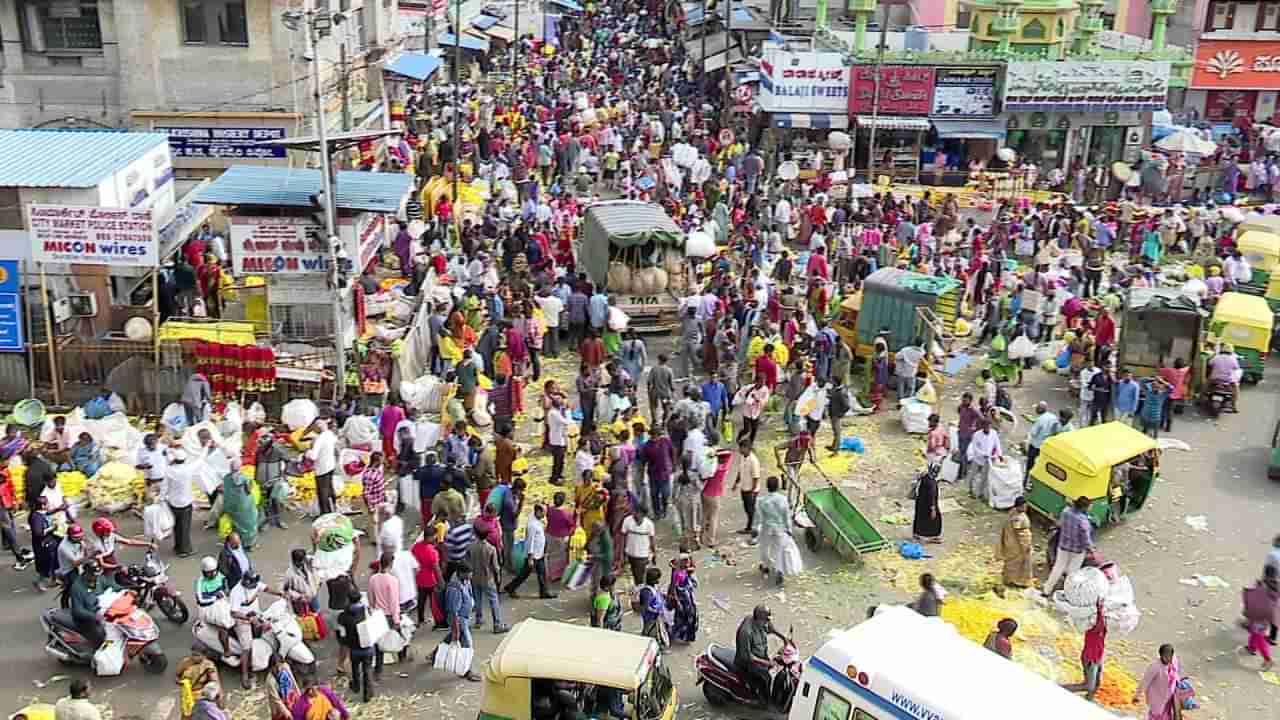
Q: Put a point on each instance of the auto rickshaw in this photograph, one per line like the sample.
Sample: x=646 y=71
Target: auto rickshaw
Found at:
x=1246 y=322
x=1112 y=464
x=1262 y=250
x=539 y=661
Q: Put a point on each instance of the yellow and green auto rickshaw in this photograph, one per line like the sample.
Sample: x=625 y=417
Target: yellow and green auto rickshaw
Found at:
x=538 y=659
x=1112 y=464
x=1262 y=250
x=1245 y=322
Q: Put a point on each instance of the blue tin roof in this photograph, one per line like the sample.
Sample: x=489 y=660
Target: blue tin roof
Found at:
x=414 y=65
x=571 y=5
x=484 y=22
x=69 y=158
x=285 y=187
x=469 y=42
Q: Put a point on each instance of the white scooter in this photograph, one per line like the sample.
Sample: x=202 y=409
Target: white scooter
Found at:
x=282 y=635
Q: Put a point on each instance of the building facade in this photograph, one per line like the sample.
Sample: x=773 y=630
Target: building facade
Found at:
x=1237 y=62
x=218 y=76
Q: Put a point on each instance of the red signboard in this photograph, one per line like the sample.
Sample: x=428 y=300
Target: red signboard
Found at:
x=1227 y=105
x=904 y=90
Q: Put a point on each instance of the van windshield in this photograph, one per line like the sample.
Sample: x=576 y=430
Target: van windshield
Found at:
x=653 y=694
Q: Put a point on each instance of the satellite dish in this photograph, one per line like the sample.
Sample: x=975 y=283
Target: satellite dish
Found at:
x=138 y=329
x=789 y=170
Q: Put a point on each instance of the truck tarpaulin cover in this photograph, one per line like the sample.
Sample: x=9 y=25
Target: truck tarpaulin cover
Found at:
x=624 y=224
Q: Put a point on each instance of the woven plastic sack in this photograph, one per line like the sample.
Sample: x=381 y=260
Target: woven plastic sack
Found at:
x=174 y=417
x=360 y=431
x=915 y=416
x=1004 y=483
x=29 y=412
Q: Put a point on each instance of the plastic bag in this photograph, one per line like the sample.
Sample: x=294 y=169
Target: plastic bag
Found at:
x=360 y=431
x=950 y=470
x=108 y=661
x=256 y=413
x=372 y=628
x=409 y=493
x=157 y=521
x=443 y=652
x=915 y=416
x=299 y=413
x=174 y=417
x=1004 y=483
x=1021 y=348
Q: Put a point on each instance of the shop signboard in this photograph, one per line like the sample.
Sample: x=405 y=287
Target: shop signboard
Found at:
x=904 y=90
x=224 y=142
x=1227 y=105
x=92 y=235
x=278 y=246
x=1236 y=65
x=10 y=307
x=806 y=82
x=964 y=92
x=1086 y=86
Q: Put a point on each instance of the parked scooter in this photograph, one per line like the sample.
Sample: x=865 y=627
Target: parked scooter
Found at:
x=722 y=683
x=124 y=621
x=150 y=581
x=280 y=635
x=1217 y=398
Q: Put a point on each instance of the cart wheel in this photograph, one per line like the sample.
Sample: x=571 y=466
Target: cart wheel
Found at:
x=812 y=539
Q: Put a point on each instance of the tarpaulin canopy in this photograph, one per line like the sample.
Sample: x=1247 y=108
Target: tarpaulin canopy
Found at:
x=1162 y=299
x=414 y=65
x=623 y=224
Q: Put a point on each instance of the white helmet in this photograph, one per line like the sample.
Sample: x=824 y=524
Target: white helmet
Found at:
x=208 y=564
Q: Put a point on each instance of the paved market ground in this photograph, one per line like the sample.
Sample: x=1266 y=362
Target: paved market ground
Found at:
x=1222 y=478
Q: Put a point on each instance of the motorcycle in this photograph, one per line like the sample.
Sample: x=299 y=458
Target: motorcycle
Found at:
x=1218 y=398
x=150 y=581
x=280 y=634
x=722 y=683
x=124 y=622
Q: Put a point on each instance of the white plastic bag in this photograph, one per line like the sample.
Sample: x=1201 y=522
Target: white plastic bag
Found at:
x=256 y=413
x=460 y=660
x=915 y=416
x=299 y=413
x=441 y=660
x=157 y=521
x=950 y=470
x=409 y=493
x=232 y=419
x=1004 y=482
x=108 y=660
x=359 y=430
x=174 y=417
x=372 y=628
x=1021 y=348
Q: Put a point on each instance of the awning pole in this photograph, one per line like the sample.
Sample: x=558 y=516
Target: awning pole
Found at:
x=155 y=333
x=49 y=338
x=26 y=306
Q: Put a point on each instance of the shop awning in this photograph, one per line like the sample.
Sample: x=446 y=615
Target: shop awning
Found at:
x=571 y=5
x=469 y=42
x=499 y=32
x=969 y=129
x=484 y=22
x=811 y=120
x=414 y=65
x=715 y=62
x=893 y=122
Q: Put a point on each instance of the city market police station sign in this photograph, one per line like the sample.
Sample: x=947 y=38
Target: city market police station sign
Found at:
x=1078 y=86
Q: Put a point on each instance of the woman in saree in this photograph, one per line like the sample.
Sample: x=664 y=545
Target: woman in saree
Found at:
x=681 y=600
x=237 y=502
x=560 y=527
x=652 y=606
x=85 y=456
x=590 y=499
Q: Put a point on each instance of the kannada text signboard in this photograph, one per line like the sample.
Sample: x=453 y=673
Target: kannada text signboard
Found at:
x=904 y=90
x=1081 y=86
x=964 y=92
x=92 y=235
x=806 y=82
x=223 y=142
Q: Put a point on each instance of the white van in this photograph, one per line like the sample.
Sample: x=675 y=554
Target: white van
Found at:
x=900 y=665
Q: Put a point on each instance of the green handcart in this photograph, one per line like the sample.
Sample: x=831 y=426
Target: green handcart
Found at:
x=834 y=519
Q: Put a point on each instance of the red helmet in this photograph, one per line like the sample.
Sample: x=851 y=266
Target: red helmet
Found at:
x=75 y=531
x=103 y=527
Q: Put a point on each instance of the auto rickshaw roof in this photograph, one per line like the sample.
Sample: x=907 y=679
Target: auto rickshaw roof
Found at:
x=1242 y=309
x=573 y=653
x=1090 y=450
x=1266 y=242
x=1265 y=223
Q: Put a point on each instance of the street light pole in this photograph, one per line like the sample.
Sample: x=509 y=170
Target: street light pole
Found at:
x=515 y=54
x=875 y=98
x=315 y=23
x=457 y=107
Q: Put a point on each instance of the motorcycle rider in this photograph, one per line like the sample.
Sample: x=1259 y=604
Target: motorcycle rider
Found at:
x=1223 y=369
x=84 y=602
x=751 y=658
x=245 y=610
x=71 y=555
x=102 y=546
x=211 y=587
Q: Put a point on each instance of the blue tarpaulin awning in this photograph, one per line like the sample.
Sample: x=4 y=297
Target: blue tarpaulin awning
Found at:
x=414 y=65
x=293 y=187
x=568 y=5
x=484 y=22
x=469 y=42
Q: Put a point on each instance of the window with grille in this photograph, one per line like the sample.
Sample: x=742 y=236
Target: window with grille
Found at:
x=214 y=22
x=1269 y=16
x=1221 y=16
x=61 y=25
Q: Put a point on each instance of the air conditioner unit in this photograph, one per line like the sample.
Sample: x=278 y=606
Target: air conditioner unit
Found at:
x=83 y=305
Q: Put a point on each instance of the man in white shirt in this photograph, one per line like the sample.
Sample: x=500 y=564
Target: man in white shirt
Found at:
x=557 y=439
x=391 y=534
x=814 y=418
x=551 y=309
x=638 y=533
x=782 y=218
x=983 y=448
x=535 y=540
x=324 y=458
x=695 y=450
x=245 y=610
x=150 y=460
x=1086 y=392
x=179 y=479
x=425 y=435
